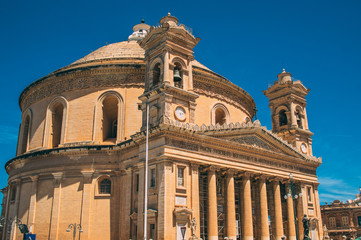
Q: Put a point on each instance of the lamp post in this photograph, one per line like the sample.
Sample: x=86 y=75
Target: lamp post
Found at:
x=74 y=226
x=294 y=195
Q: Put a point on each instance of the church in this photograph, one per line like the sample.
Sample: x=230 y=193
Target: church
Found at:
x=88 y=130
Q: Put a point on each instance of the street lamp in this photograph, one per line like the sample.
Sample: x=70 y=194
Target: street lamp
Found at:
x=74 y=227
x=294 y=195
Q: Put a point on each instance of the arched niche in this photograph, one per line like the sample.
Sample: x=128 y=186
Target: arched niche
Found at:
x=25 y=132
x=219 y=114
x=109 y=118
x=55 y=123
x=155 y=73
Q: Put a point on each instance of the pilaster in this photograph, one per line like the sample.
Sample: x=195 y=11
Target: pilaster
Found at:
x=32 y=206
x=55 y=212
x=86 y=205
x=195 y=196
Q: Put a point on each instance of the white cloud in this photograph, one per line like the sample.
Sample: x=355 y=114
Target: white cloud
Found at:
x=333 y=188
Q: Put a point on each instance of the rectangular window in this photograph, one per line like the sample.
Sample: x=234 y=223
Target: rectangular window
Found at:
x=309 y=196
x=152 y=231
x=152 y=177
x=345 y=221
x=359 y=220
x=332 y=221
x=180 y=177
x=136 y=182
x=13 y=193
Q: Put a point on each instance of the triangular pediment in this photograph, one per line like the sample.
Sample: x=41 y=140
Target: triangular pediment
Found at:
x=254 y=141
x=257 y=138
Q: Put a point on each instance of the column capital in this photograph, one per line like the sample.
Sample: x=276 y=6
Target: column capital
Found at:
x=34 y=178
x=57 y=178
x=230 y=172
x=245 y=175
x=16 y=181
x=212 y=169
x=87 y=176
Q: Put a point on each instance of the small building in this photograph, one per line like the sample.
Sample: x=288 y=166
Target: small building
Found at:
x=343 y=220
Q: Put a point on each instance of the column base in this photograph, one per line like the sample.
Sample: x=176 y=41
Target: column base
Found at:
x=213 y=237
x=292 y=238
x=232 y=237
x=265 y=238
x=247 y=238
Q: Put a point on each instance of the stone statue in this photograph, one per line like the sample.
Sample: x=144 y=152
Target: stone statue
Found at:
x=306 y=227
x=193 y=227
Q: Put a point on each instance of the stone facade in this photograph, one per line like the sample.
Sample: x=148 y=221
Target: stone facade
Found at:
x=213 y=172
x=342 y=220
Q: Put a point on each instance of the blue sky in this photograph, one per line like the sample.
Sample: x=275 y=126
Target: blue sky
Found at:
x=248 y=42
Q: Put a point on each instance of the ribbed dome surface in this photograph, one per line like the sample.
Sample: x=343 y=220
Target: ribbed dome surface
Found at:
x=126 y=49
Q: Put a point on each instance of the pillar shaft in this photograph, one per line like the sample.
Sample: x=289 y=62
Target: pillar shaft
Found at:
x=195 y=196
x=212 y=206
x=32 y=207
x=278 y=210
x=247 y=223
x=291 y=218
x=166 y=68
x=264 y=209
x=231 y=208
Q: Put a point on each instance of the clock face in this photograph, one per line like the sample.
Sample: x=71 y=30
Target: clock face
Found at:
x=303 y=148
x=180 y=113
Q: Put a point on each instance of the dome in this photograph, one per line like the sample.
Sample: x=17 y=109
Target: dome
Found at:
x=120 y=50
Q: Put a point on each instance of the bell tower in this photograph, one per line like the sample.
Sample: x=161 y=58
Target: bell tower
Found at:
x=168 y=81
x=287 y=100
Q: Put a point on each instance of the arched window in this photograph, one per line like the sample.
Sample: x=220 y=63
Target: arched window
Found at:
x=56 y=124
x=156 y=74
x=105 y=186
x=25 y=139
x=282 y=118
x=110 y=118
x=220 y=116
x=177 y=75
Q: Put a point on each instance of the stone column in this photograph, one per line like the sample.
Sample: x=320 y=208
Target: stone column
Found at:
x=32 y=207
x=278 y=209
x=86 y=208
x=247 y=223
x=212 y=205
x=231 y=207
x=166 y=68
x=264 y=209
x=55 y=212
x=195 y=196
x=290 y=216
x=190 y=74
x=292 y=115
x=318 y=211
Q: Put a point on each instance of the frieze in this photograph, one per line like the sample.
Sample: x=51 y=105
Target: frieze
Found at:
x=77 y=81
x=199 y=148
